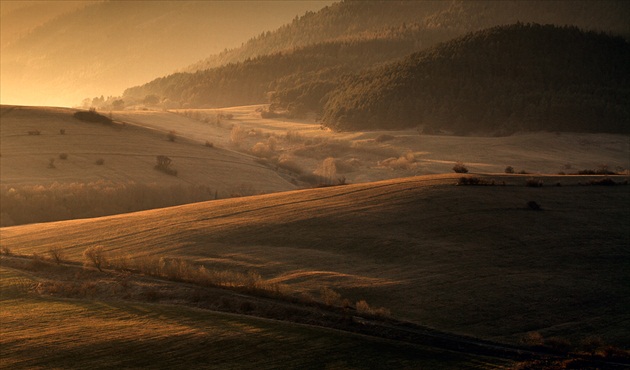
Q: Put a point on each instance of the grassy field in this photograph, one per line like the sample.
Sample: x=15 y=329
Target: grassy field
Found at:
x=76 y=169
x=378 y=155
x=480 y=261
x=474 y=260
x=129 y=154
x=40 y=331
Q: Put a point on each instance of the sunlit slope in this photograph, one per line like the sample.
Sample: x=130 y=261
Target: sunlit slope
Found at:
x=128 y=153
x=474 y=260
x=40 y=331
x=362 y=157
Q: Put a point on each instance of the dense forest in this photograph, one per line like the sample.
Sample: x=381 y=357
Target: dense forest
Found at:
x=501 y=80
x=444 y=18
x=253 y=80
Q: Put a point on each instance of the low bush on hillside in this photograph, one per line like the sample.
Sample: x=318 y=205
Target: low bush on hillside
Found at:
x=100 y=161
x=23 y=204
x=63 y=156
x=56 y=254
x=171 y=136
x=92 y=116
x=265 y=149
x=164 y=165
x=474 y=181
x=606 y=181
x=459 y=167
x=533 y=205
x=383 y=138
x=509 y=169
x=364 y=308
x=237 y=135
x=178 y=269
x=533 y=183
x=404 y=162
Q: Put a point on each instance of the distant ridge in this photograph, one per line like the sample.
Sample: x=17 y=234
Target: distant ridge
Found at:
x=352 y=19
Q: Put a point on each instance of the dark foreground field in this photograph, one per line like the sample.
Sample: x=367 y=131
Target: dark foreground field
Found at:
x=478 y=261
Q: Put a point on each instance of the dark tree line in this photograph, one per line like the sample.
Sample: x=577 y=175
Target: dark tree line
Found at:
x=519 y=77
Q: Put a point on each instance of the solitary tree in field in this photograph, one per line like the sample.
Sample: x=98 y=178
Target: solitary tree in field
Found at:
x=95 y=256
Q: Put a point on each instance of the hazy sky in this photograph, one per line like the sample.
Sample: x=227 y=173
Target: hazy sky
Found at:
x=59 y=52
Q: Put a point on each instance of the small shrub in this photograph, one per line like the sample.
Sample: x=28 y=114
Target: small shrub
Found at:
x=470 y=181
x=605 y=182
x=293 y=137
x=100 y=161
x=92 y=116
x=509 y=169
x=37 y=262
x=558 y=344
x=364 y=308
x=56 y=254
x=268 y=114
x=533 y=183
x=329 y=296
x=62 y=131
x=209 y=144
x=533 y=339
x=171 y=136
x=592 y=344
x=383 y=138
x=63 y=156
x=587 y=172
x=164 y=165
x=459 y=167
x=262 y=150
x=237 y=135
x=404 y=162
x=533 y=205
x=6 y=251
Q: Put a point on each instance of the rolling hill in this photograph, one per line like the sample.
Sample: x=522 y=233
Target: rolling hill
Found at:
x=474 y=260
x=40 y=330
x=110 y=168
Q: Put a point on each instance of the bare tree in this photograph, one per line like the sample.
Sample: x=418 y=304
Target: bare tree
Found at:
x=95 y=256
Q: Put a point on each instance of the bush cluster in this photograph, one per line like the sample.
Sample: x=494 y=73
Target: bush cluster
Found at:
x=92 y=116
x=23 y=204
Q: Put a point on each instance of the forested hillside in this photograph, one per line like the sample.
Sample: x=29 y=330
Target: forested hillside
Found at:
x=253 y=80
x=443 y=19
x=505 y=79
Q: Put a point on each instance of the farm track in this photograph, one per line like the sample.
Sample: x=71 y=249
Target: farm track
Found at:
x=336 y=318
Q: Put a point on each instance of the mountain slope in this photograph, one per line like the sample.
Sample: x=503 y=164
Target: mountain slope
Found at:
x=472 y=260
x=251 y=81
x=103 y=47
x=441 y=19
x=505 y=79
